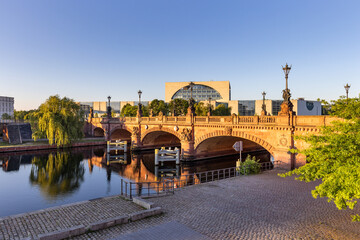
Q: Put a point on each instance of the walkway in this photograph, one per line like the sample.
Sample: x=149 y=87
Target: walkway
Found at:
x=261 y=206
x=64 y=217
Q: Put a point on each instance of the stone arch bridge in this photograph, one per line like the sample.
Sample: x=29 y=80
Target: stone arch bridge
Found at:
x=201 y=137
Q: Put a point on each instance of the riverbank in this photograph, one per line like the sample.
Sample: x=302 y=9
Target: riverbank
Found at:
x=263 y=206
x=44 y=145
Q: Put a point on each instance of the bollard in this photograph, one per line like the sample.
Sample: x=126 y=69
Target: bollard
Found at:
x=156 y=157
x=108 y=146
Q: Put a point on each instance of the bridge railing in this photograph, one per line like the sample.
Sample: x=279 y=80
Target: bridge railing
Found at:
x=299 y=121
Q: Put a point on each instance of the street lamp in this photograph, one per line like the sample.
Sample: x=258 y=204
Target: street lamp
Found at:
x=286 y=106
x=108 y=112
x=347 y=87
x=209 y=106
x=191 y=100
x=263 y=112
x=139 y=106
x=286 y=70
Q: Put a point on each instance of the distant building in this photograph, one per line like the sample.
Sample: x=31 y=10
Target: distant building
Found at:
x=202 y=91
x=100 y=107
x=6 y=106
x=220 y=93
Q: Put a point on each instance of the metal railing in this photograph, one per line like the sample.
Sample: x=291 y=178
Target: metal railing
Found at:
x=168 y=185
x=131 y=189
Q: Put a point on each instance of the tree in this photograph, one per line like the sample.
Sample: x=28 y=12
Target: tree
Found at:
x=200 y=109
x=325 y=106
x=158 y=106
x=334 y=157
x=178 y=106
x=61 y=120
x=6 y=116
x=221 y=110
x=129 y=111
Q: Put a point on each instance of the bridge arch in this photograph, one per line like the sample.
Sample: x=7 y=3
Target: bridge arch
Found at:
x=99 y=132
x=227 y=140
x=120 y=133
x=160 y=137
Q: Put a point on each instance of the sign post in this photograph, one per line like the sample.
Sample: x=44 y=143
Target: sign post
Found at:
x=238 y=146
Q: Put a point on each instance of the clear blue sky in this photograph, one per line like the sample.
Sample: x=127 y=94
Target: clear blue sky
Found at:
x=87 y=50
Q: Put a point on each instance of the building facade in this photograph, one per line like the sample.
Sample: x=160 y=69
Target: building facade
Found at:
x=215 y=93
x=6 y=106
x=202 y=91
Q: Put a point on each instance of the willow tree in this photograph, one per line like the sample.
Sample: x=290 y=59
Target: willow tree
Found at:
x=61 y=120
x=333 y=157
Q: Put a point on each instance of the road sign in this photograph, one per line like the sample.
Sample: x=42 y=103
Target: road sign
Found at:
x=238 y=146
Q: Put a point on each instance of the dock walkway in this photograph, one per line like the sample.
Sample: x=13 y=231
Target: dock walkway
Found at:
x=31 y=225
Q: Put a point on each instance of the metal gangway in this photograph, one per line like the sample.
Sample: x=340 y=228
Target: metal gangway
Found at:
x=117 y=145
x=167 y=155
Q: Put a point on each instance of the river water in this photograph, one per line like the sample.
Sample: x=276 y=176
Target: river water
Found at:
x=36 y=180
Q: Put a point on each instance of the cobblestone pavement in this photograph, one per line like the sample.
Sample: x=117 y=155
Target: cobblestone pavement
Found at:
x=66 y=216
x=169 y=230
x=262 y=206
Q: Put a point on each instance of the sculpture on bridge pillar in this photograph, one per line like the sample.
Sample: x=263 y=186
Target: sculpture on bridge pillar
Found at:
x=187 y=144
x=135 y=138
x=186 y=135
x=160 y=116
x=135 y=131
x=151 y=113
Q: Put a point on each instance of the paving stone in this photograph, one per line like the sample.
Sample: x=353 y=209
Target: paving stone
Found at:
x=262 y=206
x=165 y=231
x=64 y=218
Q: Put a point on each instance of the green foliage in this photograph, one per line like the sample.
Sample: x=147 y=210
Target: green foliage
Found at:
x=325 y=106
x=201 y=109
x=178 y=105
x=129 y=111
x=6 y=116
x=346 y=108
x=221 y=110
x=334 y=157
x=250 y=166
x=158 y=106
x=61 y=120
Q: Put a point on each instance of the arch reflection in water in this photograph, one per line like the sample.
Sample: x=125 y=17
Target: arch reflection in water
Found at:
x=59 y=173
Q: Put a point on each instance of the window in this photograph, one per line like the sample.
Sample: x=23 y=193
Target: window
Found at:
x=200 y=93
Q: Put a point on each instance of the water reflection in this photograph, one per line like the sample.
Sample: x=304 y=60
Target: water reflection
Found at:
x=59 y=173
x=61 y=177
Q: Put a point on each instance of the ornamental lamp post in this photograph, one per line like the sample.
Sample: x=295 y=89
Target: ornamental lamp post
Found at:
x=209 y=106
x=263 y=112
x=191 y=108
x=139 y=106
x=109 y=107
x=286 y=70
x=347 y=87
x=286 y=106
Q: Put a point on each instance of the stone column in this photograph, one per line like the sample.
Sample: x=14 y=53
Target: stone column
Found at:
x=136 y=138
x=187 y=144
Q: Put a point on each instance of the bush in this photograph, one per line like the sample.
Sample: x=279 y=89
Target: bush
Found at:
x=250 y=166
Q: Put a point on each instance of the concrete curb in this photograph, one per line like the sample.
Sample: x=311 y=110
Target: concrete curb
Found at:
x=146 y=213
x=66 y=233
x=99 y=225
x=143 y=203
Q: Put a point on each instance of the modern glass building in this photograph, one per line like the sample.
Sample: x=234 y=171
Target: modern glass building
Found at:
x=246 y=107
x=201 y=91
